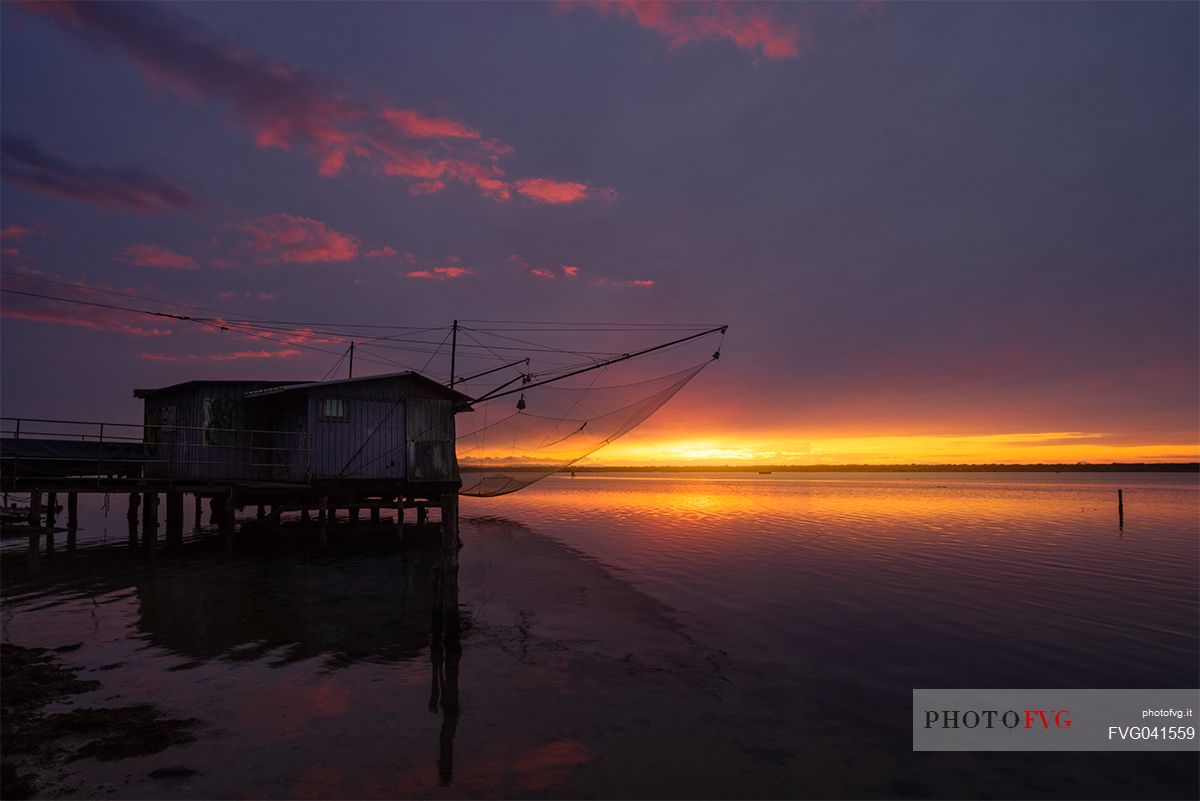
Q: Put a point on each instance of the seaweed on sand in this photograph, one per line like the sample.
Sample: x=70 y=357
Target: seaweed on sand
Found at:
x=31 y=678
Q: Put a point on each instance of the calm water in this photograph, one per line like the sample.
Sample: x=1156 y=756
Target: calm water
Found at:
x=725 y=635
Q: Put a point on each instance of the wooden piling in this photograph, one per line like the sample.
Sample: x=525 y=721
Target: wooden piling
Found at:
x=1121 y=509
x=352 y=514
x=174 y=519
x=35 y=508
x=51 y=509
x=305 y=517
x=35 y=548
x=51 y=516
x=228 y=522
x=375 y=515
x=199 y=511
x=262 y=511
x=323 y=516
x=72 y=519
x=132 y=517
x=150 y=520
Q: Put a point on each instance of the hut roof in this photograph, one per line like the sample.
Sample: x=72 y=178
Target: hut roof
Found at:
x=145 y=393
x=428 y=383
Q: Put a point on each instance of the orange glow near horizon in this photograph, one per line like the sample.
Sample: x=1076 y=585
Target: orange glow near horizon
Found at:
x=1012 y=448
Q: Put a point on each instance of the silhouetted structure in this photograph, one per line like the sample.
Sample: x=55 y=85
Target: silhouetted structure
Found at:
x=383 y=441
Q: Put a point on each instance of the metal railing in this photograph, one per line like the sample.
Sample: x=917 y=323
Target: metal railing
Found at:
x=152 y=450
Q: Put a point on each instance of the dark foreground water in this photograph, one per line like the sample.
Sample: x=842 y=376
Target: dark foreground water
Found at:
x=699 y=636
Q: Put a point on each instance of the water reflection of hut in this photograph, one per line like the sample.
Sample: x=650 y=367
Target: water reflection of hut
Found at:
x=367 y=607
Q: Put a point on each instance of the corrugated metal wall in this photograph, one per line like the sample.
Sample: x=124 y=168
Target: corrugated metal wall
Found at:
x=368 y=444
x=280 y=449
x=431 y=454
x=187 y=433
x=372 y=442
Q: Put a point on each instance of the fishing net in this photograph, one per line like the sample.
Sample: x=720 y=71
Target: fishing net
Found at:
x=527 y=434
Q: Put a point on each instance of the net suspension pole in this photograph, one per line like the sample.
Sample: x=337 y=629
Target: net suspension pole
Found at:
x=453 y=350
x=498 y=394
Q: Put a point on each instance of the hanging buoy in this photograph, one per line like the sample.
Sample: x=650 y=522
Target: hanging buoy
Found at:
x=521 y=403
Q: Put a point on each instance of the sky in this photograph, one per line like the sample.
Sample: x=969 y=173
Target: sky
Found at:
x=937 y=232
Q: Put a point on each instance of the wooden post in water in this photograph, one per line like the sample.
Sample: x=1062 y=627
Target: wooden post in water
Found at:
x=199 y=512
x=135 y=500
x=51 y=515
x=262 y=512
x=400 y=516
x=174 y=519
x=72 y=519
x=449 y=582
x=228 y=522
x=150 y=520
x=352 y=514
x=375 y=514
x=323 y=515
x=35 y=548
x=305 y=518
x=1121 y=509
x=35 y=508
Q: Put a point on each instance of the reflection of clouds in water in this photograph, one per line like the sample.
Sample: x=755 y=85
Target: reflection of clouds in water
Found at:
x=286 y=709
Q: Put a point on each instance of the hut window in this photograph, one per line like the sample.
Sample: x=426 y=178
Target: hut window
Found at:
x=334 y=409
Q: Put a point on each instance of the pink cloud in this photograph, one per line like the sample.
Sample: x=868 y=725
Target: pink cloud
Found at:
x=539 y=272
x=16 y=233
x=384 y=252
x=751 y=26
x=640 y=282
x=570 y=270
x=441 y=273
x=286 y=353
x=27 y=165
x=64 y=312
x=12 y=253
x=141 y=255
x=290 y=238
x=296 y=336
x=426 y=187
x=416 y=125
x=288 y=108
x=546 y=190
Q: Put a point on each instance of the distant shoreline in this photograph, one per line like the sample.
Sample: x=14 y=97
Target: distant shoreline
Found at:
x=1166 y=467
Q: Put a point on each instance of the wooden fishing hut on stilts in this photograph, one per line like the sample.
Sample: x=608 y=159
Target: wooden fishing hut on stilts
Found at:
x=375 y=442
